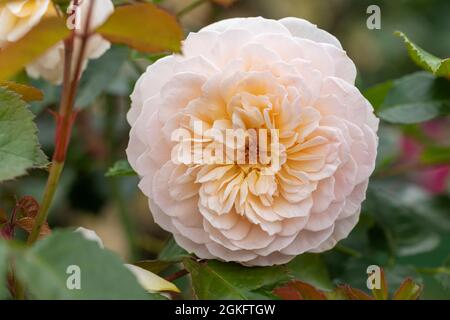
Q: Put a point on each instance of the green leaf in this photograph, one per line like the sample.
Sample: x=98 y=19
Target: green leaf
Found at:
x=19 y=146
x=172 y=252
x=405 y=215
x=16 y=55
x=99 y=75
x=388 y=150
x=221 y=280
x=310 y=268
x=144 y=27
x=427 y=61
x=45 y=270
x=119 y=169
x=416 y=98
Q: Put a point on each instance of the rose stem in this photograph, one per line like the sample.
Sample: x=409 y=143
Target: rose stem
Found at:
x=176 y=275
x=65 y=119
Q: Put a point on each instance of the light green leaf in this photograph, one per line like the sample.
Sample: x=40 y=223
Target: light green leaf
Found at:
x=220 y=280
x=435 y=155
x=45 y=270
x=416 y=98
x=19 y=146
x=144 y=27
x=99 y=75
x=119 y=169
x=16 y=55
x=427 y=61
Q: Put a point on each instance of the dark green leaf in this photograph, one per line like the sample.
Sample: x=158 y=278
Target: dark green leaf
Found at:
x=388 y=150
x=403 y=213
x=378 y=93
x=99 y=75
x=172 y=252
x=416 y=98
x=221 y=280
x=19 y=146
x=310 y=268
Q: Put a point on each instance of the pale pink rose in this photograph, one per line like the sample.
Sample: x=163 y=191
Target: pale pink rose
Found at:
x=255 y=73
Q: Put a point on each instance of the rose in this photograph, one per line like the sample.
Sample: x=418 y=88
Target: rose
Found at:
x=148 y=280
x=17 y=18
x=255 y=73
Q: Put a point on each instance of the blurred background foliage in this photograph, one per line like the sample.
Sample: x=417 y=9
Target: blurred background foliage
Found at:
x=405 y=222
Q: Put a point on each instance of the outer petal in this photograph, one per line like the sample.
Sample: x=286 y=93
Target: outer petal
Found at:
x=304 y=29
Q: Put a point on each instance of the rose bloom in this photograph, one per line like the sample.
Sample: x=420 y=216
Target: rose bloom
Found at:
x=255 y=73
x=19 y=17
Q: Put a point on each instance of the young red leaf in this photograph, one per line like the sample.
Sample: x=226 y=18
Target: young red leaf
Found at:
x=355 y=294
x=3 y=216
x=29 y=206
x=16 y=55
x=297 y=290
x=287 y=292
x=27 y=223
x=28 y=93
x=144 y=27
x=408 y=290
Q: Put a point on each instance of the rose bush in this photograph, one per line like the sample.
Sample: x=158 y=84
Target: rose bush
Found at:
x=260 y=74
x=17 y=18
